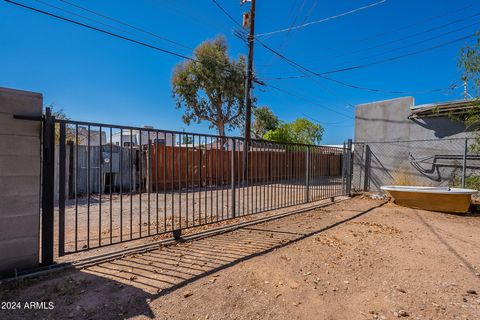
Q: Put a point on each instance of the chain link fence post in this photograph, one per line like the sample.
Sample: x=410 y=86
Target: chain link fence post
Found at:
x=464 y=165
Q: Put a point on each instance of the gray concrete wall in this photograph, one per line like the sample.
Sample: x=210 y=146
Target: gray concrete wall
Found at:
x=19 y=180
x=400 y=163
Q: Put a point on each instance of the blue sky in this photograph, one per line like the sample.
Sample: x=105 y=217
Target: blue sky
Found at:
x=94 y=77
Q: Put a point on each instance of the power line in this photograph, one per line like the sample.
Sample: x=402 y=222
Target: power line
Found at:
x=424 y=40
x=89 y=19
x=451 y=87
x=399 y=56
x=289 y=34
x=322 y=74
x=300 y=67
x=227 y=14
x=115 y=35
x=125 y=24
x=321 y=20
x=261 y=42
x=409 y=36
x=300 y=96
x=428 y=19
x=332 y=124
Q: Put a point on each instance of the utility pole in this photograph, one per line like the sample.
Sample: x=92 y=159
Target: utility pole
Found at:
x=248 y=83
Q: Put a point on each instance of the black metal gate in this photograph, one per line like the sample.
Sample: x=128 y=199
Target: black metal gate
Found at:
x=106 y=184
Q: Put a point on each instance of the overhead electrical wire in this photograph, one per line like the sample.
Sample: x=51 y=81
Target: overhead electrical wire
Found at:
x=360 y=66
x=124 y=23
x=306 y=71
x=300 y=96
x=427 y=19
x=115 y=35
x=321 y=20
x=99 y=22
x=401 y=39
x=423 y=41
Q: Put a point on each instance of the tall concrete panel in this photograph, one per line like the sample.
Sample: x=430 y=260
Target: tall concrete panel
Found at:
x=385 y=154
x=19 y=180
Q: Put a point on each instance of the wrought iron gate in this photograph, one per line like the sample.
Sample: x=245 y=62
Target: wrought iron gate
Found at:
x=106 y=184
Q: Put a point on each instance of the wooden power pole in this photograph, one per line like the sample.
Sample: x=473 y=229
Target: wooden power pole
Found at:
x=249 y=77
x=250 y=21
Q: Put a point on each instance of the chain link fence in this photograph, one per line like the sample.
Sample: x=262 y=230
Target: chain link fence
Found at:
x=440 y=163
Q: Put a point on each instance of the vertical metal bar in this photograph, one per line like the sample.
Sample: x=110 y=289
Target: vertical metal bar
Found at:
x=48 y=183
x=232 y=187
x=228 y=176
x=206 y=180
x=307 y=174
x=265 y=175
x=110 y=185
x=344 y=150
x=180 y=181
x=193 y=180
x=156 y=179
x=140 y=182
x=165 y=182
x=216 y=173
x=366 y=181
x=211 y=179
x=349 y=167
x=187 y=172
x=200 y=178
x=172 y=184
x=222 y=168
x=61 y=191
x=464 y=166
x=131 y=183
x=76 y=187
x=255 y=180
x=121 y=184
x=88 y=188
x=100 y=186
x=149 y=178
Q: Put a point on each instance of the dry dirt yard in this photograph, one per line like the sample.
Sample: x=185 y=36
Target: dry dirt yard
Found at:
x=355 y=259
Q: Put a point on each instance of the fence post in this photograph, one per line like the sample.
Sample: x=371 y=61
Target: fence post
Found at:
x=307 y=175
x=232 y=188
x=343 y=168
x=61 y=190
x=349 y=168
x=48 y=171
x=464 y=167
x=366 y=181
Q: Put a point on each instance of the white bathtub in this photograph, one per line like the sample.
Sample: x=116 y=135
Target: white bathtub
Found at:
x=442 y=199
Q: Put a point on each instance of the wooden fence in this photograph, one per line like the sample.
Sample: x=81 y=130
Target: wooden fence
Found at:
x=178 y=167
x=171 y=168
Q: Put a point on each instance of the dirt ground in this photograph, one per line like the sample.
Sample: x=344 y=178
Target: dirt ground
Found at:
x=108 y=220
x=357 y=259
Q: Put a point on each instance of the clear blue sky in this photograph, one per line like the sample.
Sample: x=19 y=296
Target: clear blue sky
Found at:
x=95 y=77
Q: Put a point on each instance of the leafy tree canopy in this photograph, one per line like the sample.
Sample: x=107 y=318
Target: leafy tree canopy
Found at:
x=299 y=131
x=469 y=62
x=212 y=88
x=264 y=120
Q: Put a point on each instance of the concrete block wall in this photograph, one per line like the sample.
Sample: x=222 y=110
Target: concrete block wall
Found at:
x=394 y=163
x=19 y=181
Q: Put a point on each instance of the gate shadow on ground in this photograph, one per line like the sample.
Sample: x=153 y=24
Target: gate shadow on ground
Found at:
x=120 y=289
x=162 y=271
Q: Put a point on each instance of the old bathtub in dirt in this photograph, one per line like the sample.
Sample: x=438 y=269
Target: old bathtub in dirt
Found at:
x=443 y=199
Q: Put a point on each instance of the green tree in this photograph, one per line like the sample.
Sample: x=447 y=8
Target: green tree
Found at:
x=264 y=120
x=212 y=87
x=299 y=131
x=469 y=62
